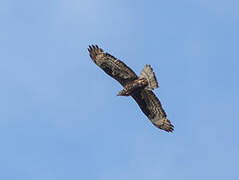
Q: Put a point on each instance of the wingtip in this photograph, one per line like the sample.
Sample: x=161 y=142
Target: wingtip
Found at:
x=94 y=47
x=94 y=51
x=90 y=48
x=164 y=124
x=171 y=129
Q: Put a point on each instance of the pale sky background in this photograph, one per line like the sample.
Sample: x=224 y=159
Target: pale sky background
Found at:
x=60 y=117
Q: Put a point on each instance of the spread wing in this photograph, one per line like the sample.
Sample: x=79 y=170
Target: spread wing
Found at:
x=111 y=65
x=152 y=108
x=146 y=99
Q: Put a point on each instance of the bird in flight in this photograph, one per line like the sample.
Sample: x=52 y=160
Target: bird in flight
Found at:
x=139 y=87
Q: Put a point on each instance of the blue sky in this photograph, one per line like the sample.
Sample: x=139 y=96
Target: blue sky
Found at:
x=60 y=117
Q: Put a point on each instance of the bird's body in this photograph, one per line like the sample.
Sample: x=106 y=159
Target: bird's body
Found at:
x=140 y=88
x=133 y=87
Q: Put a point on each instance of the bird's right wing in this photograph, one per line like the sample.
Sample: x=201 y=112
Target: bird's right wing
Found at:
x=152 y=108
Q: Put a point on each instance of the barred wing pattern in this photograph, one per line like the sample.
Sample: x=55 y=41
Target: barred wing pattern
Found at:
x=152 y=108
x=112 y=66
x=146 y=99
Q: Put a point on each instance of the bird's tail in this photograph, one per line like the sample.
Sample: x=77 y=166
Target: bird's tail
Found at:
x=149 y=75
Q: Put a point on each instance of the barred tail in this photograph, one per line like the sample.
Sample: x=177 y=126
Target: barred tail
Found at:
x=149 y=75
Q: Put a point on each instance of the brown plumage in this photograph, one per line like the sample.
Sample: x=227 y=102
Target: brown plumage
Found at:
x=140 y=88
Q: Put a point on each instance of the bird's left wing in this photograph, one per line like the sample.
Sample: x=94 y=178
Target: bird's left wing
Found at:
x=111 y=65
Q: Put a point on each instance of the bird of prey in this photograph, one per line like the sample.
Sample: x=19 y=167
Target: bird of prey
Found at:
x=139 y=87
